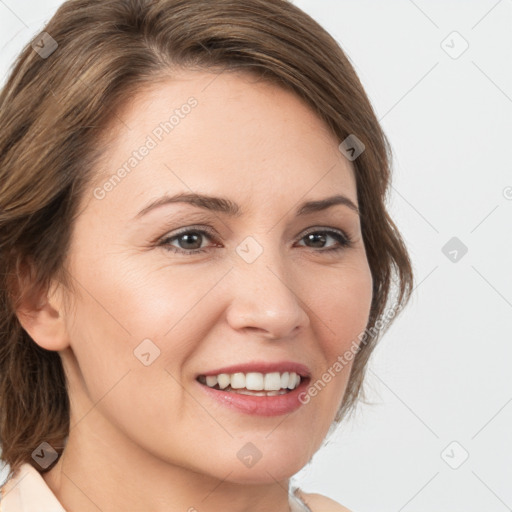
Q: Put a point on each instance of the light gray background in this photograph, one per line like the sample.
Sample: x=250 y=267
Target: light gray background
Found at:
x=441 y=373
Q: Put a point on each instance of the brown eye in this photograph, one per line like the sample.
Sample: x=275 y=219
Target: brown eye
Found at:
x=189 y=241
x=319 y=238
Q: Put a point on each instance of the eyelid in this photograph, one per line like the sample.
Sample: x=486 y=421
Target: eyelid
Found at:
x=172 y=234
x=213 y=233
x=346 y=240
x=314 y=229
x=186 y=229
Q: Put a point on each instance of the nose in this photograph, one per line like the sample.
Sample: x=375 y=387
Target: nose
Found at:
x=264 y=298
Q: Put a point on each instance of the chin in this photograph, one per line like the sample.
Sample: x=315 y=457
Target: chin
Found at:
x=264 y=471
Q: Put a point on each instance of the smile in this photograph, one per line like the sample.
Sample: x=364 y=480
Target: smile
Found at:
x=253 y=383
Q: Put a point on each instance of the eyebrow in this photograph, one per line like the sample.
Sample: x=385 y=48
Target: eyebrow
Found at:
x=232 y=209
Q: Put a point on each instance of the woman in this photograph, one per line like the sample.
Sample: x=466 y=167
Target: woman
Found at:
x=137 y=373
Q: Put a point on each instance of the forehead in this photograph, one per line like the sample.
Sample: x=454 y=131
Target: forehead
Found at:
x=220 y=133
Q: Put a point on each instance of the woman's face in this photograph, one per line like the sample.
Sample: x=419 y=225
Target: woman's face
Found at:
x=152 y=313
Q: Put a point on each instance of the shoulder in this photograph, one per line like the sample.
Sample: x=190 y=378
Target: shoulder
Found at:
x=319 y=503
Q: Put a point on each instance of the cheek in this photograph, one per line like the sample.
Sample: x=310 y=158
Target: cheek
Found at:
x=152 y=298
x=342 y=305
x=340 y=311
x=124 y=307
x=127 y=367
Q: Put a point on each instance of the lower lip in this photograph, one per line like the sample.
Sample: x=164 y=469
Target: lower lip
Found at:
x=259 y=405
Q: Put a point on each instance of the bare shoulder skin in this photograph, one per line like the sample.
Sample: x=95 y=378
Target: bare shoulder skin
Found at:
x=320 y=503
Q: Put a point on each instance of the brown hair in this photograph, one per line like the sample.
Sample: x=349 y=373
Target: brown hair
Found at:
x=53 y=110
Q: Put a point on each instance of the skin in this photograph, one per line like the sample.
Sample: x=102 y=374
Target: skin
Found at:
x=147 y=437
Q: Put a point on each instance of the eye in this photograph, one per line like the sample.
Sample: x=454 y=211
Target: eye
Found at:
x=320 y=237
x=190 y=240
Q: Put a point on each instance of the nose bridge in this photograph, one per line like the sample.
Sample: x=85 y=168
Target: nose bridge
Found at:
x=262 y=294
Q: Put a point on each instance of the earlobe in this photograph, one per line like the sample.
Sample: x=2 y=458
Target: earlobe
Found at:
x=42 y=317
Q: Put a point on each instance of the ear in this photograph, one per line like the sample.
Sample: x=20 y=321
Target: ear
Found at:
x=41 y=312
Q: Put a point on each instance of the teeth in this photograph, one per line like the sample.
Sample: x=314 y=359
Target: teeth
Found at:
x=272 y=381
x=253 y=381
x=238 y=381
x=223 y=380
x=261 y=393
x=211 y=380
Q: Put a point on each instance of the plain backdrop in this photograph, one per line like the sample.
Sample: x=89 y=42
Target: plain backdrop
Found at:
x=439 y=75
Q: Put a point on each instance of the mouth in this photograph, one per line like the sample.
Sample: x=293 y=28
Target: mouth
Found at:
x=261 y=388
x=230 y=391
x=254 y=383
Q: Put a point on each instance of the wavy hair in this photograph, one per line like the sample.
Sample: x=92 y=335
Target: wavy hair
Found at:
x=54 y=109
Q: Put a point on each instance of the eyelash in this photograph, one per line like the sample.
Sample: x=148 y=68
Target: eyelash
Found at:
x=343 y=239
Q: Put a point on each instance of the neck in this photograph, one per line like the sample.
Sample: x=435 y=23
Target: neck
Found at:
x=102 y=469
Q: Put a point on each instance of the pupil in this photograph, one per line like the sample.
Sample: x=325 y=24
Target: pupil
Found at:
x=318 y=239
x=188 y=239
x=320 y=236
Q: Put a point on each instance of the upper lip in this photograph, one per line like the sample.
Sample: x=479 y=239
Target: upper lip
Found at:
x=262 y=367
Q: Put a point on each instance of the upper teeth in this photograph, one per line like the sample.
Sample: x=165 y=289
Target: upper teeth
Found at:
x=255 y=381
